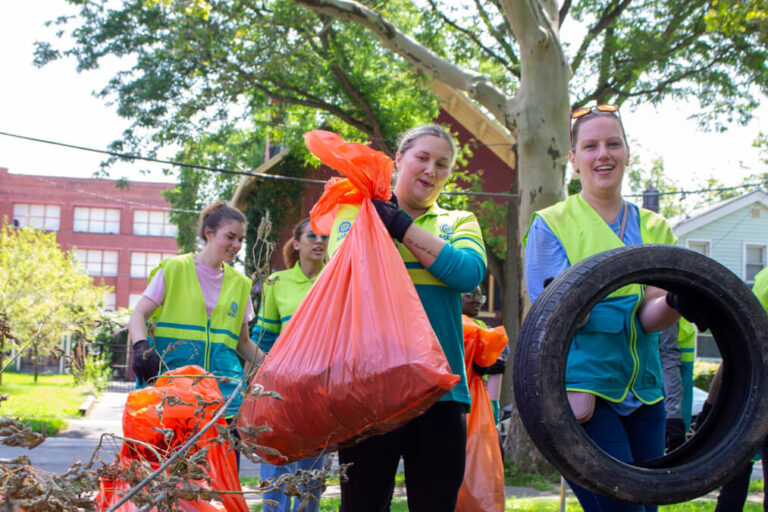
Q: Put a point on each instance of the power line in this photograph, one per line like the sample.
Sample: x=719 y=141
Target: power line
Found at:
x=703 y=190
x=129 y=156
x=115 y=199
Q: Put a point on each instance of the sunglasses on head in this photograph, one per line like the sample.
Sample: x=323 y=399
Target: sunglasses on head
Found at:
x=312 y=237
x=596 y=109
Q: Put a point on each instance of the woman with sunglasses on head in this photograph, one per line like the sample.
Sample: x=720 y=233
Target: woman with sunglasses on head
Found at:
x=614 y=356
x=304 y=255
x=444 y=254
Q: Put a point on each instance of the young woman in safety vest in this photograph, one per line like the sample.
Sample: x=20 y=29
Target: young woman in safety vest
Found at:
x=444 y=254
x=201 y=307
x=614 y=355
x=304 y=255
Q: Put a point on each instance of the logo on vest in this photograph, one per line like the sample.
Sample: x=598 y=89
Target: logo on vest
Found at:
x=232 y=309
x=446 y=230
x=344 y=228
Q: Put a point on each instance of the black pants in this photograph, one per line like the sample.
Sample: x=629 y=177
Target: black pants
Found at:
x=733 y=495
x=433 y=447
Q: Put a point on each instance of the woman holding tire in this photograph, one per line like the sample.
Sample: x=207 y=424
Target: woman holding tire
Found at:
x=613 y=367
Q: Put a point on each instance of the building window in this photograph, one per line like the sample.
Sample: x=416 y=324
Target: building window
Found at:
x=706 y=348
x=754 y=261
x=96 y=220
x=98 y=262
x=153 y=223
x=109 y=302
x=37 y=216
x=142 y=263
x=700 y=247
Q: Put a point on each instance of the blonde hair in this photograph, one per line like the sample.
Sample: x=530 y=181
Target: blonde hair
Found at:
x=408 y=138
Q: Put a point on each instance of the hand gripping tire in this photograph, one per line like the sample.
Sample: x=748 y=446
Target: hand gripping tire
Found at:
x=739 y=419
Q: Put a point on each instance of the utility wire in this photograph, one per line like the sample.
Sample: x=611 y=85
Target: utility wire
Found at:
x=702 y=190
x=129 y=156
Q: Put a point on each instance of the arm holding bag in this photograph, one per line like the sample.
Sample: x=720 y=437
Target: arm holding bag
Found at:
x=358 y=356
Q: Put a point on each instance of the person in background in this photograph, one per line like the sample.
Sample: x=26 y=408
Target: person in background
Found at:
x=733 y=495
x=445 y=257
x=470 y=306
x=304 y=255
x=676 y=348
x=614 y=355
x=201 y=307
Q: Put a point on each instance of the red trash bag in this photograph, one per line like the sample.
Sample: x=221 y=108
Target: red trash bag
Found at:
x=483 y=487
x=140 y=421
x=358 y=357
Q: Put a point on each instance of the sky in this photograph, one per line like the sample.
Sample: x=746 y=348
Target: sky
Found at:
x=56 y=103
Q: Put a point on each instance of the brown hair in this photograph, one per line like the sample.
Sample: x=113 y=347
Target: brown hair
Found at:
x=290 y=254
x=579 y=120
x=214 y=215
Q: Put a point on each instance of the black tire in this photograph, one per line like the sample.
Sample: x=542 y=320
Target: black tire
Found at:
x=738 y=422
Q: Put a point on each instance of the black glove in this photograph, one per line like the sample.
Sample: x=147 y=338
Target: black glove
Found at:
x=675 y=433
x=395 y=220
x=691 y=306
x=495 y=369
x=547 y=282
x=702 y=416
x=145 y=367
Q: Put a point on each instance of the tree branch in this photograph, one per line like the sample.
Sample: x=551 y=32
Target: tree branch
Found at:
x=609 y=16
x=563 y=12
x=477 y=86
x=473 y=36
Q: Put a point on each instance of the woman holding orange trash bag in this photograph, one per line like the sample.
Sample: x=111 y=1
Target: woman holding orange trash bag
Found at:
x=444 y=254
x=202 y=306
x=304 y=255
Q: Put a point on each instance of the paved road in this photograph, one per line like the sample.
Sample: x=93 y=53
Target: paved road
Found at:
x=79 y=442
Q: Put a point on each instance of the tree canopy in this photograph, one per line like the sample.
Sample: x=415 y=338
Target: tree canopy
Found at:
x=44 y=293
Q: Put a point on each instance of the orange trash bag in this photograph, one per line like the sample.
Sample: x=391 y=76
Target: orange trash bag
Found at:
x=483 y=487
x=142 y=422
x=358 y=356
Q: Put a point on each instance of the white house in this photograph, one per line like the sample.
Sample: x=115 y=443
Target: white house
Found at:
x=735 y=234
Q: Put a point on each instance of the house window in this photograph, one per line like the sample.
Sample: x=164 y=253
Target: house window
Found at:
x=109 y=302
x=699 y=246
x=153 y=223
x=98 y=262
x=706 y=348
x=754 y=261
x=37 y=216
x=754 y=213
x=142 y=263
x=96 y=220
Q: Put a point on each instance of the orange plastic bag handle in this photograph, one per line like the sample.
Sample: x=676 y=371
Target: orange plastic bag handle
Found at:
x=368 y=175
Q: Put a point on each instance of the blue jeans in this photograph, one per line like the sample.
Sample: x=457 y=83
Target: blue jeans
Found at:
x=270 y=471
x=636 y=437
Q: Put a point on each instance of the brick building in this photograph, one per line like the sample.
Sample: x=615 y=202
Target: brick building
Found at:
x=118 y=234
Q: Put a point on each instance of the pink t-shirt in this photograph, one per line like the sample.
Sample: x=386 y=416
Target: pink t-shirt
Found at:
x=210 y=281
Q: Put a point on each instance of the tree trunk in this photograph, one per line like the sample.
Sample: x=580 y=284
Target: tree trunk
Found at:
x=35 y=361
x=2 y=351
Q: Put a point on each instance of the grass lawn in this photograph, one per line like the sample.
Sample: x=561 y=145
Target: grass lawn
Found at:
x=53 y=399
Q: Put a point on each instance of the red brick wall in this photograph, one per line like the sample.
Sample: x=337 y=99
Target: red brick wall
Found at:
x=71 y=192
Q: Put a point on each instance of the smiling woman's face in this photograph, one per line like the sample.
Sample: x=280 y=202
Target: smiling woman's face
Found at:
x=422 y=171
x=600 y=156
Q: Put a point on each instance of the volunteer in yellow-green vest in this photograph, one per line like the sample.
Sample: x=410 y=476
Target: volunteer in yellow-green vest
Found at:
x=733 y=495
x=200 y=307
x=614 y=355
x=304 y=255
x=444 y=254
